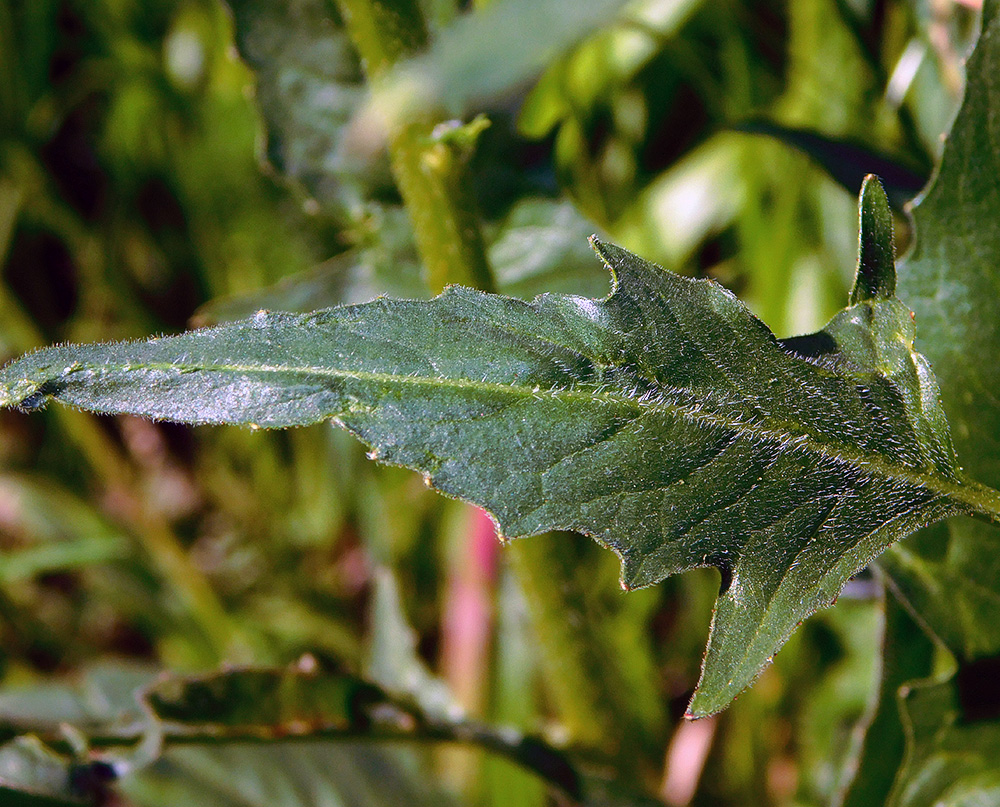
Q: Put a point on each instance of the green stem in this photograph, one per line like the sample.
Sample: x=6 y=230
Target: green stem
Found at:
x=435 y=184
x=580 y=679
x=430 y=170
x=384 y=31
x=984 y=501
x=440 y=13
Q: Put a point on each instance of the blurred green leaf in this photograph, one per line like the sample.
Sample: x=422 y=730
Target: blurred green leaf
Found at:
x=101 y=696
x=907 y=655
x=540 y=246
x=262 y=703
x=697 y=197
x=485 y=53
x=843 y=425
x=325 y=735
x=114 y=706
x=309 y=84
x=612 y=54
x=286 y=775
x=949 y=575
x=298 y=711
x=31 y=775
x=847 y=161
x=393 y=662
x=58 y=530
x=280 y=705
x=951 y=759
x=386 y=263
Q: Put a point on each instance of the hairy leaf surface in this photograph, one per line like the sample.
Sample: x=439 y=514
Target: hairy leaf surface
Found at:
x=665 y=421
x=951 y=575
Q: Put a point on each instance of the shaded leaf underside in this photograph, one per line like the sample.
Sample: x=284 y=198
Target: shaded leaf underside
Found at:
x=665 y=421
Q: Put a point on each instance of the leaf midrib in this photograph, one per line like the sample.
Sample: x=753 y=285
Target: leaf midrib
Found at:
x=975 y=496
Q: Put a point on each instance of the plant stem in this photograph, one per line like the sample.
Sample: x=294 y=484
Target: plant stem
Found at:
x=984 y=501
x=384 y=31
x=430 y=170
x=436 y=187
x=575 y=664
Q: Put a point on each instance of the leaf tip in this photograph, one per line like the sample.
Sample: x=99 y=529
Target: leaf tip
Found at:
x=696 y=708
x=611 y=257
x=710 y=700
x=876 y=271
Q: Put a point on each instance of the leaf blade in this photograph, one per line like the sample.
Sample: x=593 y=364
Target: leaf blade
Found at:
x=951 y=281
x=665 y=421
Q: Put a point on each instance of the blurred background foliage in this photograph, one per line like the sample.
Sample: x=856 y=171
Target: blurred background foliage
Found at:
x=174 y=162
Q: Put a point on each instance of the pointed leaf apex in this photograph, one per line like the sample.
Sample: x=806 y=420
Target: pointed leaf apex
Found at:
x=876 y=274
x=610 y=255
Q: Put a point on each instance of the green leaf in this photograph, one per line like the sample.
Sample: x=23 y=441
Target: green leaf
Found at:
x=277 y=704
x=665 y=421
x=847 y=161
x=392 y=658
x=127 y=716
x=287 y=708
x=951 y=760
x=486 y=53
x=103 y=696
x=876 y=274
x=387 y=263
x=951 y=277
x=32 y=775
x=309 y=83
x=286 y=775
x=58 y=531
x=951 y=575
x=262 y=736
x=907 y=654
x=540 y=246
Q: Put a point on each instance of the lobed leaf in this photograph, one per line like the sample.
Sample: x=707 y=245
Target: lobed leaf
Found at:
x=665 y=421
